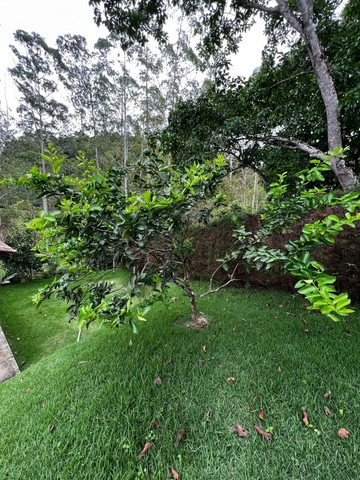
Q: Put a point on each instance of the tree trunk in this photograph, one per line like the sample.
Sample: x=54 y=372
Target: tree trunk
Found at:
x=45 y=201
x=321 y=67
x=320 y=64
x=125 y=129
x=194 y=308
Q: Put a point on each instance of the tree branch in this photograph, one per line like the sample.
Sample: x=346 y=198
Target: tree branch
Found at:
x=285 y=80
x=250 y=165
x=289 y=16
x=290 y=143
x=258 y=6
x=213 y=290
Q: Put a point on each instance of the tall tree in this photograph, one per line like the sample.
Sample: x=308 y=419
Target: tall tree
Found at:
x=34 y=76
x=181 y=66
x=6 y=127
x=152 y=102
x=87 y=77
x=222 y=24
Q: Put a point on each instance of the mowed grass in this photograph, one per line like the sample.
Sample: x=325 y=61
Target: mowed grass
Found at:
x=87 y=410
x=34 y=332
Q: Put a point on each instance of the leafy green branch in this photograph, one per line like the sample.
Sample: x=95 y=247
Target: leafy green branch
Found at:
x=283 y=209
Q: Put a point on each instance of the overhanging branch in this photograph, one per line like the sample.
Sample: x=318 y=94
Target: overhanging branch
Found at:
x=290 y=143
x=258 y=6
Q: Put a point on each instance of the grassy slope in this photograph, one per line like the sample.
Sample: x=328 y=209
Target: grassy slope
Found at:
x=86 y=411
x=33 y=333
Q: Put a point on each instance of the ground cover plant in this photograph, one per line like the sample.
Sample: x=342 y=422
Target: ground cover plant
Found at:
x=88 y=410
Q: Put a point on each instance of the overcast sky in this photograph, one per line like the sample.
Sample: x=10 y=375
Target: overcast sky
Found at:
x=51 y=18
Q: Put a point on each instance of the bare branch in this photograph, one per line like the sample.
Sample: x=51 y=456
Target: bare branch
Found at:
x=285 y=80
x=259 y=7
x=290 y=143
x=305 y=10
x=213 y=290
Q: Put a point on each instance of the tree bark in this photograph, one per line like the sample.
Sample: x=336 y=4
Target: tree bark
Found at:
x=325 y=82
x=303 y=23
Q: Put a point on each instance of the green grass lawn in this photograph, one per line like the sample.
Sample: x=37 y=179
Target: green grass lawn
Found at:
x=86 y=411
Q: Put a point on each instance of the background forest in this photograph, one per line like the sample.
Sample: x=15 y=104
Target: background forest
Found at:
x=113 y=103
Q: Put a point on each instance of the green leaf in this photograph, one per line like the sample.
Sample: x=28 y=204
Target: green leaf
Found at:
x=133 y=326
x=308 y=289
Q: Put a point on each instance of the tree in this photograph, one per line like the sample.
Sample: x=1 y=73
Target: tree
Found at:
x=6 y=128
x=34 y=78
x=87 y=76
x=146 y=230
x=152 y=103
x=181 y=65
x=136 y=21
x=241 y=119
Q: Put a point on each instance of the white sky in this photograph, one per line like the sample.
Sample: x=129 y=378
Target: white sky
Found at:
x=51 y=18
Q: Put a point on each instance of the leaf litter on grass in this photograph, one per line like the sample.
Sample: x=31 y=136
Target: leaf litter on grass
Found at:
x=174 y=473
x=267 y=435
x=144 y=451
x=343 y=433
x=241 y=431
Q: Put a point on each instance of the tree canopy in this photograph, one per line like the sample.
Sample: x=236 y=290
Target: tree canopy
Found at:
x=220 y=26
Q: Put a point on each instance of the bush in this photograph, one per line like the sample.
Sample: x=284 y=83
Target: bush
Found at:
x=25 y=262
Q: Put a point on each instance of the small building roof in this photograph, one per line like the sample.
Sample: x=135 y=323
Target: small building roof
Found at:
x=4 y=248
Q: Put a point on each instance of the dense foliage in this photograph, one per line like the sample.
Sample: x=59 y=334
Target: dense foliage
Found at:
x=94 y=221
x=283 y=209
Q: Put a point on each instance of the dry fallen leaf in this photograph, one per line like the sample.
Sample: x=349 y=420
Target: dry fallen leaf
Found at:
x=328 y=394
x=266 y=435
x=328 y=411
x=208 y=414
x=204 y=349
x=261 y=414
x=173 y=299
x=174 y=473
x=343 y=433
x=52 y=428
x=240 y=431
x=157 y=381
x=231 y=379
x=180 y=435
x=279 y=369
x=27 y=390
x=305 y=418
x=146 y=448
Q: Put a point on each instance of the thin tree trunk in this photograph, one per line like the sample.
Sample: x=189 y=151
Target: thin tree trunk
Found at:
x=45 y=202
x=194 y=308
x=244 y=188
x=125 y=132
x=93 y=120
x=254 y=195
